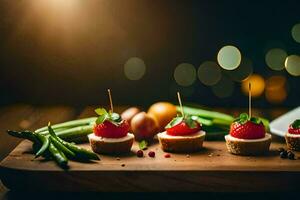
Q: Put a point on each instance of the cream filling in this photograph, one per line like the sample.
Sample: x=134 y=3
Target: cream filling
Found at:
x=231 y=138
x=111 y=140
x=194 y=135
x=292 y=135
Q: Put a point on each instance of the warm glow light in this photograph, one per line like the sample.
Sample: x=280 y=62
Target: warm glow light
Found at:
x=209 y=73
x=224 y=88
x=229 y=57
x=275 y=91
x=296 y=32
x=185 y=74
x=275 y=58
x=292 y=65
x=134 y=68
x=257 y=85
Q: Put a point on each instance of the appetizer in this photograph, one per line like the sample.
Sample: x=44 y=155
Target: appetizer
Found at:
x=292 y=137
x=183 y=134
x=110 y=134
x=247 y=136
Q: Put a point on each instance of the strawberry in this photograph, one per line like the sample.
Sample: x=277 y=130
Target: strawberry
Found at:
x=248 y=130
x=182 y=129
x=109 y=130
x=294 y=128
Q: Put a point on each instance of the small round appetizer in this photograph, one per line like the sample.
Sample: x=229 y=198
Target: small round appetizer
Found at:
x=248 y=136
x=110 y=134
x=182 y=135
x=292 y=137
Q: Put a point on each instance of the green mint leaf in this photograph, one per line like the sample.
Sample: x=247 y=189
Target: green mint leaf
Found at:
x=101 y=111
x=101 y=119
x=296 y=124
x=115 y=117
x=256 y=120
x=174 y=122
x=190 y=122
x=143 y=145
x=242 y=119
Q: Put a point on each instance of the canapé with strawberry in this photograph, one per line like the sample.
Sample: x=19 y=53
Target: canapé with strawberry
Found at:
x=182 y=134
x=292 y=137
x=110 y=134
x=248 y=136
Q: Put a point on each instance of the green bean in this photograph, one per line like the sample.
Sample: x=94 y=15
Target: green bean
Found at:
x=203 y=121
x=62 y=148
x=24 y=134
x=45 y=144
x=69 y=124
x=80 y=152
x=59 y=156
x=73 y=133
x=206 y=113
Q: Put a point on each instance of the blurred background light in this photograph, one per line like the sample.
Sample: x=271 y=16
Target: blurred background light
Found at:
x=296 y=32
x=275 y=90
x=275 y=58
x=209 y=73
x=224 y=88
x=229 y=57
x=134 y=68
x=185 y=74
x=242 y=72
x=292 y=65
x=257 y=85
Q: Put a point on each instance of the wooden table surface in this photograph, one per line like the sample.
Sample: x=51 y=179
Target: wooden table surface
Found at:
x=212 y=169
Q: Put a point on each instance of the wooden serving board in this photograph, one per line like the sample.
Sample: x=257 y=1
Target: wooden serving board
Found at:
x=212 y=169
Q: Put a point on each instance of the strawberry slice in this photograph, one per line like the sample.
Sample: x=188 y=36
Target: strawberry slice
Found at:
x=294 y=128
x=183 y=129
x=109 y=130
x=247 y=130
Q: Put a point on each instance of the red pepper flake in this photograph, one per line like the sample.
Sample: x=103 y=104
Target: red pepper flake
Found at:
x=151 y=154
x=167 y=155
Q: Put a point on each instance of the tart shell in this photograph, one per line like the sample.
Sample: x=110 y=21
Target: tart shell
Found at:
x=181 y=144
x=293 y=143
x=248 y=147
x=108 y=147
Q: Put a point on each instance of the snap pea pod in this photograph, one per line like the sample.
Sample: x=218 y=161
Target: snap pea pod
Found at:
x=69 y=124
x=203 y=121
x=81 y=153
x=59 y=156
x=45 y=144
x=62 y=148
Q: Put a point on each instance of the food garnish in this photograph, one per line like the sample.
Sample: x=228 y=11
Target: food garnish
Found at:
x=143 y=145
x=294 y=128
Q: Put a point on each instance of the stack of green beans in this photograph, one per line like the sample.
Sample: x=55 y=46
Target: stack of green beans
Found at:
x=51 y=146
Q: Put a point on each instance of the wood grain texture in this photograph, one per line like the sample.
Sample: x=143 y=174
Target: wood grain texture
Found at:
x=212 y=169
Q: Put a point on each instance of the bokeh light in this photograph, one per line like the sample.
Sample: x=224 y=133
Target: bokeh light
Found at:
x=229 y=57
x=224 y=88
x=242 y=72
x=275 y=90
x=292 y=65
x=134 y=68
x=296 y=32
x=209 y=73
x=275 y=58
x=257 y=85
x=185 y=74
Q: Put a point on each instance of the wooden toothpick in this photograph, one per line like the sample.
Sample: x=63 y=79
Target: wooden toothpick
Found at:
x=249 y=90
x=110 y=101
x=180 y=104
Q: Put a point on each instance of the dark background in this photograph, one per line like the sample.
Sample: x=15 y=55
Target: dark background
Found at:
x=52 y=52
